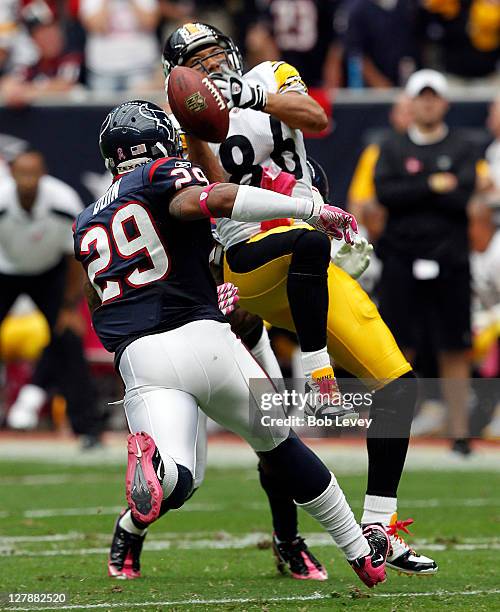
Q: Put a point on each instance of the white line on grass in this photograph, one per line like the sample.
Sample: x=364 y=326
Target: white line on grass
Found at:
x=243 y=600
x=226 y=542
x=54 y=479
x=318 y=538
x=204 y=507
x=97 y=510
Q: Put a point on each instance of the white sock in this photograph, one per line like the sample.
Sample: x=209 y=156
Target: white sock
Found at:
x=333 y=512
x=378 y=509
x=266 y=358
x=314 y=360
x=127 y=524
x=31 y=398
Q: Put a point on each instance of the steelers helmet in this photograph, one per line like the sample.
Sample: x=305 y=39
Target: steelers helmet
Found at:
x=191 y=37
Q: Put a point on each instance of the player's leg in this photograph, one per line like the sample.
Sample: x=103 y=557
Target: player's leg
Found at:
x=293 y=260
x=290 y=550
x=361 y=343
x=237 y=403
x=452 y=303
x=167 y=446
x=161 y=468
x=62 y=363
x=252 y=332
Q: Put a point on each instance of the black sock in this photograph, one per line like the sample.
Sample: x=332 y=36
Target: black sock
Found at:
x=307 y=289
x=388 y=437
x=301 y=472
x=283 y=508
x=183 y=490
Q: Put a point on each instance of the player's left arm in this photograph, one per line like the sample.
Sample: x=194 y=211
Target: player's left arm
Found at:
x=287 y=99
x=298 y=111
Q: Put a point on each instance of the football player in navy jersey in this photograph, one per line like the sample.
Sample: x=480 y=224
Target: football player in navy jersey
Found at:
x=145 y=247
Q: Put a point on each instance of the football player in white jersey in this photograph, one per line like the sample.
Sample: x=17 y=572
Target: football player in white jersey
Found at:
x=278 y=266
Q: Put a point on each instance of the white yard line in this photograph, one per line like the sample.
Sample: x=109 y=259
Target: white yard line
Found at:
x=102 y=510
x=317 y=538
x=210 y=507
x=343 y=459
x=55 y=479
x=244 y=600
x=209 y=541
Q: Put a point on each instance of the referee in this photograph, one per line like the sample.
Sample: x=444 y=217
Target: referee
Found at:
x=36 y=258
x=425 y=178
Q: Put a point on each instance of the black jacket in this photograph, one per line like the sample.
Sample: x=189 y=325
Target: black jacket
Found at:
x=421 y=223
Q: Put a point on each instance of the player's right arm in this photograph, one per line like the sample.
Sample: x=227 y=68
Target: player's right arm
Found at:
x=240 y=203
x=245 y=203
x=190 y=197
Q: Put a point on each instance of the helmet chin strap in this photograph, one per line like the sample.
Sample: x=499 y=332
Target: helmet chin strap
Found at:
x=159 y=146
x=128 y=166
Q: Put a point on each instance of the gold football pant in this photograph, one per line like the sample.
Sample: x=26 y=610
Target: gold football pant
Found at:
x=23 y=337
x=358 y=339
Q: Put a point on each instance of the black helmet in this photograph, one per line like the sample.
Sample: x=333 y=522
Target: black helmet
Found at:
x=319 y=178
x=194 y=36
x=136 y=132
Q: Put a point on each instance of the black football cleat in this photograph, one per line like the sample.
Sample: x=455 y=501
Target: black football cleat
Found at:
x=401 y=557
x=296 y=558
x=124 y=556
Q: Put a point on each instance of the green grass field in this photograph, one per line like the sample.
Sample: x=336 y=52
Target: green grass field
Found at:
x=56 y=523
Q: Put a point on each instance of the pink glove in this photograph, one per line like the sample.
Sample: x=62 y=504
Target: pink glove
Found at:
x=336 y=222
x=227 y=296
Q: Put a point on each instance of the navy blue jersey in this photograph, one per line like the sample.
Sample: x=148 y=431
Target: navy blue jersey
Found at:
x=150 y=270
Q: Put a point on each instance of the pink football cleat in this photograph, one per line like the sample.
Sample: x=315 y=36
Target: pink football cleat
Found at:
x=144 y=477
x=371 y=569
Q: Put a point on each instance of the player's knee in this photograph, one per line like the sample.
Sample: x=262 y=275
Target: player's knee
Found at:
x=397 y=399
x=182 y=490
x=311 y=253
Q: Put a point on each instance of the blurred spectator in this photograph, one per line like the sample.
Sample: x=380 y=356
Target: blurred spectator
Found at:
x=381 y=42
x=493 y=152
x=122 y=50
x=38 y=210
x=300 y=32
x=56 y=67
x=425 y=179
x=468 y=36
x=16 y=48
x=174 y=13
x=485 y=268
x=361 y=198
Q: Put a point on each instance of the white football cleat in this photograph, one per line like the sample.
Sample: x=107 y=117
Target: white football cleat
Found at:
x=23 y=413
x=401 y=557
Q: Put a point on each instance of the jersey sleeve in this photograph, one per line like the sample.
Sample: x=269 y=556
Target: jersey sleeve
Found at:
x=169 y=175
x=287 y=78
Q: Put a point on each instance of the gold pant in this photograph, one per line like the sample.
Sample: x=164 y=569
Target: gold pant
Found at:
x=23 y=337
x=358 y=339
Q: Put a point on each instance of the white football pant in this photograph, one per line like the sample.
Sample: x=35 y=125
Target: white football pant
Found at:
x=168 y=375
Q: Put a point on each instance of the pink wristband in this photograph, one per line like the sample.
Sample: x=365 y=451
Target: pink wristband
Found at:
x=204 y=199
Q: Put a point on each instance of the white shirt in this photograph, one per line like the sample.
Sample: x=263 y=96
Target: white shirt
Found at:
x=485 y=269
x=493 y=159
x=34 y=242
x=124 y=48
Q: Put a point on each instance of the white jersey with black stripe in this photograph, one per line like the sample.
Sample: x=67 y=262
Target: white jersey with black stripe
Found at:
x=256 y=139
